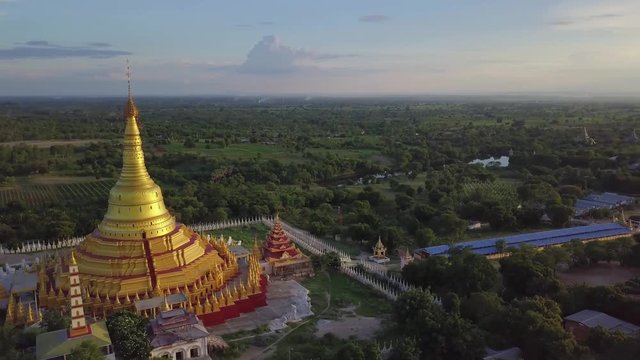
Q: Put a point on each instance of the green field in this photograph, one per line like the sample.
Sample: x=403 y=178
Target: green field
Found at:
x=384 y=187
x=345 y=292
x=503 y=189
x=40 y=192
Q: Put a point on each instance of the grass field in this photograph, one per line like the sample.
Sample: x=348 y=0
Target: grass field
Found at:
x=43 y=190
x=384 y=188
x=502 y=189
x=345 y=292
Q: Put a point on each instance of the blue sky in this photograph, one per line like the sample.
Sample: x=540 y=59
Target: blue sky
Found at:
x=330 y=47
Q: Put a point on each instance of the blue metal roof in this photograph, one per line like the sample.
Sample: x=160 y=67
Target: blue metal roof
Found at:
x=542 y=238
x=602 y=201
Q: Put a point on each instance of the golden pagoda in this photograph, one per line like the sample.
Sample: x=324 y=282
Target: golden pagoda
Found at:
x=139 y=249
x=283 y=256
x=140 y=258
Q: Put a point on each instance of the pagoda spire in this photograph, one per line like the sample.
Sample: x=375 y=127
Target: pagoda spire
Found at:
x=136 y=206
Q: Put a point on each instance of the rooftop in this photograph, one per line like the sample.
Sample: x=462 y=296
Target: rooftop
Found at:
x=592 y=318
x=158 y=301
x=538 y=239
x=174 y=326
x=57 y=343
x=602 y=201
x=513 y=353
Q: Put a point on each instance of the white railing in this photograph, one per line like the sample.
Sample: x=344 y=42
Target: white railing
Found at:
x=38 y=245
x=309 y=242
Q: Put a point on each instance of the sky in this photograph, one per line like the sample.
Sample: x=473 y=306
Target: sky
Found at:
x=328 y=47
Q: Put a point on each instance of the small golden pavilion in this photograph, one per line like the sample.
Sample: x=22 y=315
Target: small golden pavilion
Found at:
x=379 y=253
x=140 y=252
x=282 y=255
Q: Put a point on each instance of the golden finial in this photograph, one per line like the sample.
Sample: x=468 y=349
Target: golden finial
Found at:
x=72 y=260
x=130 y=108
x=165 y=304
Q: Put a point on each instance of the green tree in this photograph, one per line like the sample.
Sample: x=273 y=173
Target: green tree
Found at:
x=8 y=344
x=425 y=237
x=86 y=351
x=371 y=350
x=535 y=324
x=128 y=332
x=406 y=349
x=522 y=275
x=595 y=251
x=7 y=235
x=430 y=273
x=332 y=260
x=559 y=214
x=53 y=319
x=486 y=309
x=451 y=303
x=470 y=272
x=351 y=351
x=441 y=335
x=219 y=214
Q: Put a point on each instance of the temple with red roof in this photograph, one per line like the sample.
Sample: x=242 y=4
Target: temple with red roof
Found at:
x=282 y=255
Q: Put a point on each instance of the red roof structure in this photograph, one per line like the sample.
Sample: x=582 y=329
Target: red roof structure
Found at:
x=278 y=246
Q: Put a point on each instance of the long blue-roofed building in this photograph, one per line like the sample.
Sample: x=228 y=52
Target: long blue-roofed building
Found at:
x=487 y=247
x=602 y=201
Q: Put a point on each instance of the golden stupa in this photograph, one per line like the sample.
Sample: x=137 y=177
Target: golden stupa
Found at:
x=139 y=247
x=139 y=252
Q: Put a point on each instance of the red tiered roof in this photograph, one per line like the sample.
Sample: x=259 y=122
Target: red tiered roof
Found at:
x=278 y=244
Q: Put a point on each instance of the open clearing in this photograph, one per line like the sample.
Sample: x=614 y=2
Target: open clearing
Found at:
x=601 y=274
x=43 y=190
x=361 y=327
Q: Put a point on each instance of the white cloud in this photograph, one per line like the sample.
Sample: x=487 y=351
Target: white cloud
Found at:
x=271 y=56
x=587 y=15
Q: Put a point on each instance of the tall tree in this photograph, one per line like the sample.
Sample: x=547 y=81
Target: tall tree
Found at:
x=535 y=324
x=128 y=332
x=86 y=351
x=53 y=319
x=438 y=335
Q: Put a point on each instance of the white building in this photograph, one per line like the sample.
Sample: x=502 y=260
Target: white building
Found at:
x=179 y=335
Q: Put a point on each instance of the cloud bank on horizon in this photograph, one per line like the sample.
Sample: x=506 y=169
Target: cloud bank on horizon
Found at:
x=367 y=48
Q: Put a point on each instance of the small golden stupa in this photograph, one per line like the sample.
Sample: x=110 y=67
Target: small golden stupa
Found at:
x=379 y=252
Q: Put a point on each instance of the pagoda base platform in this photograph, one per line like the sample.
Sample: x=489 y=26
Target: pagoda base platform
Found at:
x=379 y=259
x=240 y=306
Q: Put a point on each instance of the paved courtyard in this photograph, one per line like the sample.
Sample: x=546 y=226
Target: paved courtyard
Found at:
x=280 y=296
